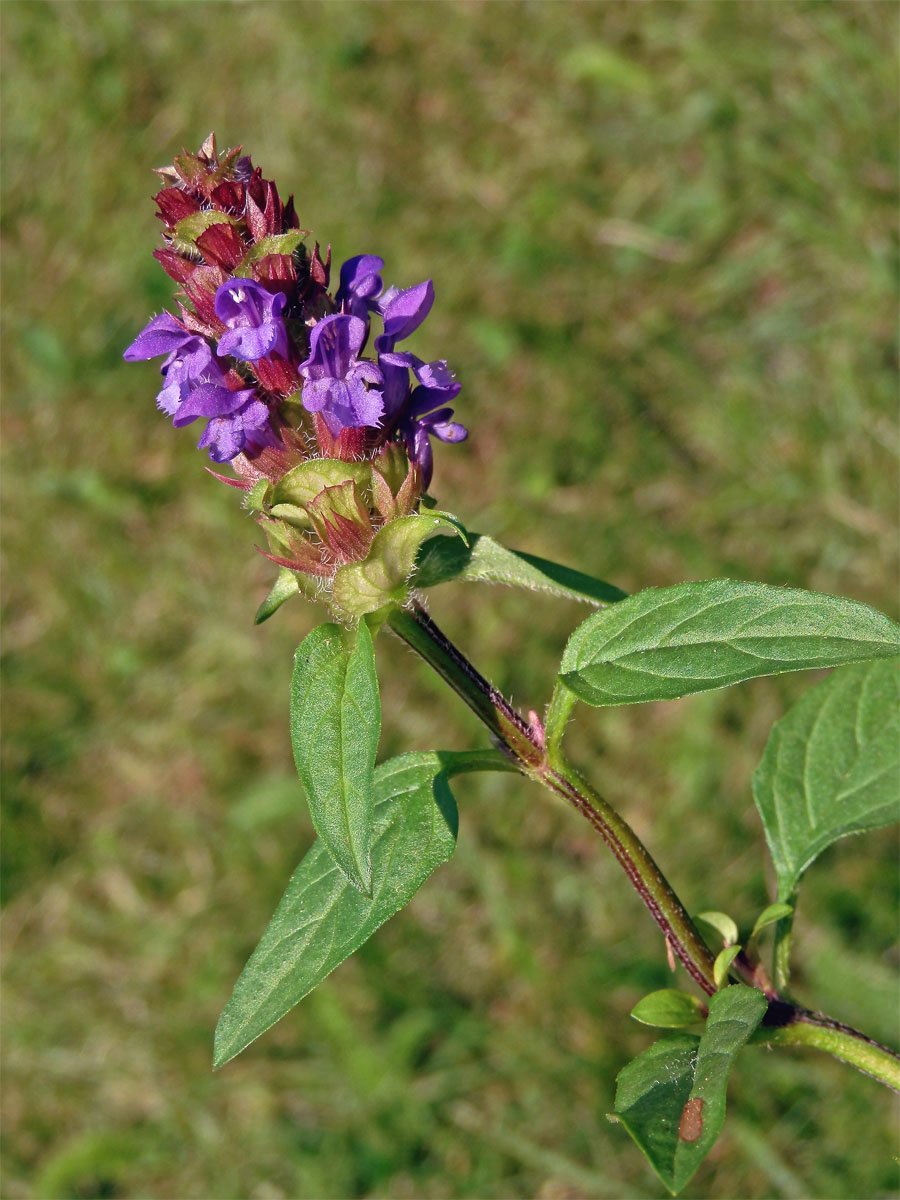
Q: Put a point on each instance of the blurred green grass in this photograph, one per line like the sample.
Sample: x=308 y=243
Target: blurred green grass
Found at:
x=663 y=240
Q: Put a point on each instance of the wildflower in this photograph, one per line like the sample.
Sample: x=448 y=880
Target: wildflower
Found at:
x=403 y=312
x=255 y=327
x=336 y=379
x=189 y=359
x=238 y=421
x=424 y=413
x=195 y=386
x=360 y=285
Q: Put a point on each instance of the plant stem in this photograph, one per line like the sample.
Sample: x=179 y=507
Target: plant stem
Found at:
x=526 y=743
x=839 y=1040
x=781 y=954
x=537 y=753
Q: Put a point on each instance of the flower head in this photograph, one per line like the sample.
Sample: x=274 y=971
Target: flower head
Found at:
x=252 y=315
x=336 y=380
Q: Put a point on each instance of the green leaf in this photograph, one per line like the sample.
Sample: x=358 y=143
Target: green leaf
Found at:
x=669 y=1009
x=722 y=924
x=671 y=1098
x=283 y=588
x=486 y=561
x=304 y=482
x=335 y=723
x=189 y=228
x=769 y=915
x=668 y=642
x=381 y=578
x=322 y=919
x=831 y=767
x=722 y=964
x=274 y=243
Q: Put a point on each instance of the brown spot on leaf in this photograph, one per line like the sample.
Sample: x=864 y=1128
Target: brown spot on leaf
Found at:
x=691 y=1125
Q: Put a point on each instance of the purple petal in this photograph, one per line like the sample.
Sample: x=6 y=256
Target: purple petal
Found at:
x=317 y=393
x=425 y=399
x=249 y=343
x=253 y=316
x=351 y=405
x=226 y=436
x=211 y=400
x=163 y=335
x=334 y=342
x=399 y=358
x=450 y=431
x=360 y=283
x=405 y=312
x=420 y=452
x=169 y=399
x=435 y=374
x=246 y=302
x=396 y=385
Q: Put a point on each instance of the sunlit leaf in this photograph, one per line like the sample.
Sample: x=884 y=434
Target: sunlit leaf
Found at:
x=668 y=642
x=322 y=918
x=831 y=767
x=335 y=725
x=671 y=1098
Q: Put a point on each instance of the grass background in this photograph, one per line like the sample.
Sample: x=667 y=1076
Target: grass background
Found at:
x=663 y=243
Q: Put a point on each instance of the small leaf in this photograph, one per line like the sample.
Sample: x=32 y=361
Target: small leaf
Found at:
x=723 y=962
x=486 y=561
x=274 y=243
x=668 y=642
x=304 y=482
x=258 y=497
x=189 y=228
x=769 y=915
x=283 y=588
x=455 y=523
x=671 y=1098
x=335 y=724
x=669 y=1009
x=831 y=767
x=722 y=924
x=381 y=578
x=322 y=919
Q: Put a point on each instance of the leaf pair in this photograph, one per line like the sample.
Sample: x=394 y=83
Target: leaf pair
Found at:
x=671 y=1098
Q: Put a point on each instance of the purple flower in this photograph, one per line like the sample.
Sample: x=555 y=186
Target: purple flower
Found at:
x=195 y=387
x=253 y=316
x=360 y=285
x=418 y=427
x=403 y=312
x=188 y=358
x=238 y=421
x=424 y=413
x=335 y=379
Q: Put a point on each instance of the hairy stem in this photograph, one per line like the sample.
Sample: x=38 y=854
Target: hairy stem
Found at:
x=527 y=744
x=537 y=753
